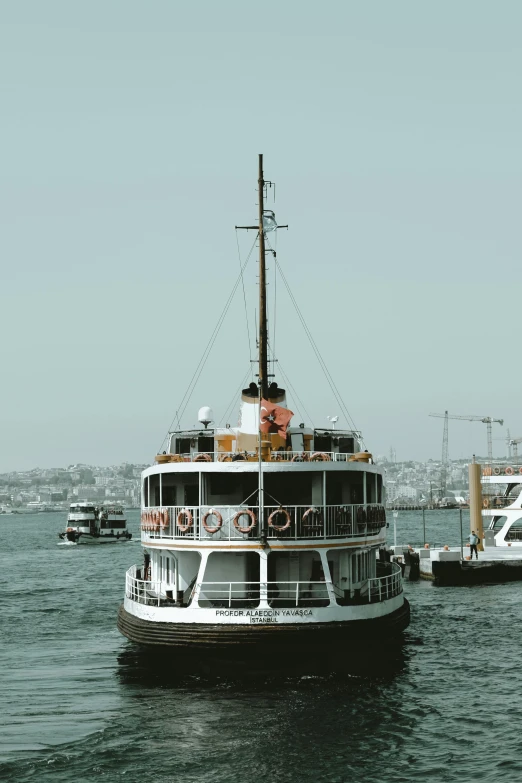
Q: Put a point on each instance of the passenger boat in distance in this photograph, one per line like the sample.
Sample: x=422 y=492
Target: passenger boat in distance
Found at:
x=91 y=524
x=263 y=536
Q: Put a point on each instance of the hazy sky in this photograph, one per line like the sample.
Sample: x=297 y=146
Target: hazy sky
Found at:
x=130 y=132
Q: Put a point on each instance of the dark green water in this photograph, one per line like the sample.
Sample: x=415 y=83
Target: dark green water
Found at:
x=79 y=703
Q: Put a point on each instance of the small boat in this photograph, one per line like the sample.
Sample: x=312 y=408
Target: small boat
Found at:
x=265 y=536
x=90 y=524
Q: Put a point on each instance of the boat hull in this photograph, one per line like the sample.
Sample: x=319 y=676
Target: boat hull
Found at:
x=203 y=636
x=94 y=540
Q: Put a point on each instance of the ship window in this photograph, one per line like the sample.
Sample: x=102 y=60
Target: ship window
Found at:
x=206 y=444
x=322 y=443
x=346 y=445
x=182 y=446
x=345 y=487
x=289 y=489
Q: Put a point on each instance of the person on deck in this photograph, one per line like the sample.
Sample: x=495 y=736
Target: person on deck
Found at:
x=473 y=541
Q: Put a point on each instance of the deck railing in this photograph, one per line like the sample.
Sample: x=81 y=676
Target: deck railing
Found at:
x=277 y=594
x=494 y=502
x=508 y=468
x=252 y=456
x=381 y=588
x=239 y=523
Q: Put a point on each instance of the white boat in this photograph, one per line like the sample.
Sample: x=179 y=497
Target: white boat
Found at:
x=263 y=535
x=91 y=524
x=502 y=503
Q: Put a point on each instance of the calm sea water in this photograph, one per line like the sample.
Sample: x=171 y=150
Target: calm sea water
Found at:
x=78 y=702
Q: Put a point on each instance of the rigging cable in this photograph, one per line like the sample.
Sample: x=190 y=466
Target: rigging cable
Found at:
x=201 y=364
x=317 y=352
x=234 y=398
x=245 y=302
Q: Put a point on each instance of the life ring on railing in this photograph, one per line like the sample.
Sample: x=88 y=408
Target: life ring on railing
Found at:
x=496 y=471
x=164 y=518
x=320 y=456
x=274 y=514
x=312 y=512
x=219 y=520
x=509 y=471
x=520 y=471
x=245 y=513
x=184 y=514
x=225 y=458
x=202 y=457
x=156 y=516
x=485 y=503
x=486 y=471
x=302 y=457
x=146 y=520
x=361 y=516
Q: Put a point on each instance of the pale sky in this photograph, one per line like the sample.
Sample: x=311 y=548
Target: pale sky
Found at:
x=130 y=132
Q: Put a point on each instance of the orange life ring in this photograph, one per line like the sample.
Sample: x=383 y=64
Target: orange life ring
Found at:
x=184 y=514
x=201 y=457
x=302 y=457
x=320 y=456
x=245 y=512
x=225 y=458
x=164 y=518
x=496 y=471
x=273 y=515
x=520 y=471
x=219 y=520
x=312 y=511
x=485 y=503
x=509 y=471
x=156 y=517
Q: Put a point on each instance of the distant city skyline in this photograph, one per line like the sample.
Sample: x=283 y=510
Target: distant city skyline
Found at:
x=392 y=132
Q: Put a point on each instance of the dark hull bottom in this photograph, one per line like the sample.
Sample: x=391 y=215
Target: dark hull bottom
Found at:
x=257 y=638
x=455 y=574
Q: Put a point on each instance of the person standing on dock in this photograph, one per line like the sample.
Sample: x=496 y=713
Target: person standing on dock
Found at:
x=473 y=541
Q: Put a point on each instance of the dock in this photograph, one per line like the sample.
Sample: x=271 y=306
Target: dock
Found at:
x=447 y=566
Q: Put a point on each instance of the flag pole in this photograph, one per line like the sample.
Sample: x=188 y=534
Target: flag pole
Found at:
x=262 y=341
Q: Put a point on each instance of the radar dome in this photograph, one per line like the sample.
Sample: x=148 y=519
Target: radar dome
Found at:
x=205 y=415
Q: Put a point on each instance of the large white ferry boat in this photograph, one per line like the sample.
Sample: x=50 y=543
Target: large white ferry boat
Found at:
x=263 y=535
x=91 y=524
x=502 y=503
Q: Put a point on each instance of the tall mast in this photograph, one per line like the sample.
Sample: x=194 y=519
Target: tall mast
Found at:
x=263 y=331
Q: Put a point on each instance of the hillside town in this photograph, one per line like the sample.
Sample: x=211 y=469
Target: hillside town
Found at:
x=53 y=489
x=408 y=483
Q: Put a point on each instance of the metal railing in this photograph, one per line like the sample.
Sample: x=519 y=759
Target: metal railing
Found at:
x=277 y=594
x=508 y=468
x=142 y=591
x=381 y=588
x=282 y=594
x=252 y=456
x=494 y=502
x=239 y=523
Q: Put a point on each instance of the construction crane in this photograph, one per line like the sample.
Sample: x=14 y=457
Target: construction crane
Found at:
x=514 y=445
x=487 y=420
x=445 y=459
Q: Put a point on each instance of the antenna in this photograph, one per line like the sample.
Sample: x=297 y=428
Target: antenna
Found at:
x=333 y=420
